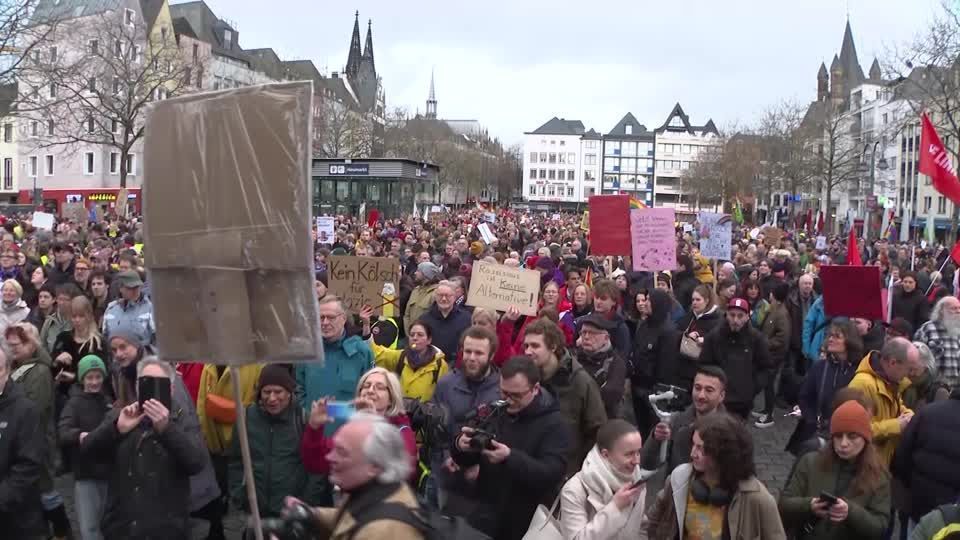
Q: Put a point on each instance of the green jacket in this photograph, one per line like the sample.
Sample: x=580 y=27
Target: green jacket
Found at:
x=581 y=405
x=867 y=516
x=36 y=379
x=275 y=454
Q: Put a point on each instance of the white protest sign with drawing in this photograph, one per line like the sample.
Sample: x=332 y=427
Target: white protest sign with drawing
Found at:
x=715 y=235
x=325 y=230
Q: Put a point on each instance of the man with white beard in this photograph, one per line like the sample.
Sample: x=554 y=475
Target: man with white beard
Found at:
x=942 y=334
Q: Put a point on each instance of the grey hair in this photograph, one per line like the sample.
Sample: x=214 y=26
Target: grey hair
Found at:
x=926 y=356
x=332 y=299
x=896 y=349
x=154 y=361
x=936 y=314
x=449 y=284
x=385 y=449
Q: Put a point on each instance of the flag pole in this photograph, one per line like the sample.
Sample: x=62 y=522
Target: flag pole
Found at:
x=940 y=271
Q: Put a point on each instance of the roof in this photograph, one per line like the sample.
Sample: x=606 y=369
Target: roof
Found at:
x=8 y=93
x=151 y=10
x=848 y=59
x=559 y=126
x=182 y=28
x=592 y=134
x=815 y=115
x=822 y=73
x=677 y=112
x=875 y=74
x=46 y=10
x=209 y=28
x=639 y=131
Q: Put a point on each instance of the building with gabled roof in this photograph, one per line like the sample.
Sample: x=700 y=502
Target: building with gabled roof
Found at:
x=561 y=163
x=628 y=159
x=679 y=143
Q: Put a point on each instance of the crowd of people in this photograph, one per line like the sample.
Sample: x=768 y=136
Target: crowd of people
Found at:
x=496 y=418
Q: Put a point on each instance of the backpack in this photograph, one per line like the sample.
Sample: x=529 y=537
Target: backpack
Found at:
x=951 y=521
x=431 y=524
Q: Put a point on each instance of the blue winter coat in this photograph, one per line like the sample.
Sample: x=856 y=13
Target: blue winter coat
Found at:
x=814 y=330
x=344 y=361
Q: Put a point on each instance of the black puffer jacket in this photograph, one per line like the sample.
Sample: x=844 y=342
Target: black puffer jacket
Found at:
x=742 y=355
x=926 y=458
x=912 y=306
x=149 y=485
x=507 y=493
x=23 y=449
x=683 y=285
x=656 y=345
x=83 y=412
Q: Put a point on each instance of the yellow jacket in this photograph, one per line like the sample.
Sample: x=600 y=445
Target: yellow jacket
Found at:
x=218 y=435
x=887 y=406
x=417 y=384
x=704 y=274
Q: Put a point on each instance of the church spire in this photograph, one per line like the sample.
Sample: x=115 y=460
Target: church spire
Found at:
x=368 y=46
x=353 y=60
x=432 y=100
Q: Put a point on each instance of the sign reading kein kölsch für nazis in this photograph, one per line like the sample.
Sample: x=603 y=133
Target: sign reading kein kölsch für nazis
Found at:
x=498 y=287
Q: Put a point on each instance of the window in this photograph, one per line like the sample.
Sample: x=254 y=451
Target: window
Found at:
x=137 y=54
x=563 y=143
x=128 y=17
x=92 y=85
x=227 y=39
x=94 y=46
x=570 y=191
x=552 y=191
x=661 y=147
x=533 y=174
x=588 y=175
x=196 y=51
x=543 y=157
x=200 y=77
x=628 y=129
x=561 y=174
x=553 y=158
x=533 y=157
x=91 y=124
x=53 y=90
x=114 y=162
x=571 y=175
x=131 y=164
x=884 y=118
x=36 y=56
x=590 y=159
x=53 y=55
x=8 y=174
x=533 y=189
x=551 y=174
x=50 y=127
x=686 y=149
x=118 y=48
x=33 y=166
x=591 y=144
x=685 y=165
x=543 y=174
x=49 y=160
x=114 y=127
x=116 y=87
x=553 y=143
x=927 y=202
x=88 y=163
x=163 y=33
x=572 y=158
x=563 y=158
x=34 y=128
x=941 y=205
x=543 y=190
x=8 y=132
x=588 y=192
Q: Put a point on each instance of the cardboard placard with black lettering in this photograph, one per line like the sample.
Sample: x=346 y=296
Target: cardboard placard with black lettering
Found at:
x=498 y=287
x=366 y=281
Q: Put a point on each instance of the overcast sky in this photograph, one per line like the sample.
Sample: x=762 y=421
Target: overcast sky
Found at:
x=513 y=65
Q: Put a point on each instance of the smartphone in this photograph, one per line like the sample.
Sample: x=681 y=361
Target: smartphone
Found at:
x=640 y=481
x=828 y=498
x=157 y=388
x=340 y=410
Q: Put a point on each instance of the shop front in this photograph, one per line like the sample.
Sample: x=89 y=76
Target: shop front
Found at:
x=389 y=185
x=104 y=200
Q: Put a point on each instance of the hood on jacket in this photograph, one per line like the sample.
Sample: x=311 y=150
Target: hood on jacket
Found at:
x=16 y=306
x=711 y=313
x=544 y=404
x=660 y=306
x=866 y=367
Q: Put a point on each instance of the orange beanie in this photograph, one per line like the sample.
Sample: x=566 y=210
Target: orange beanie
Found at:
x=851 y=417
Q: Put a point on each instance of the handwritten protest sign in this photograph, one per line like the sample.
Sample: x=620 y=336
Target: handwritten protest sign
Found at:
x=497 y=287
x=75 y=212
x=821 y=242
x=490 y=217
x=325 y=226
x=365 y=281
x=653 y=238
x=772 y=237
x=715 y=235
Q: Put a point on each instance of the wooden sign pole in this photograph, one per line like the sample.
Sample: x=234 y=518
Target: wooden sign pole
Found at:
x=245 y=453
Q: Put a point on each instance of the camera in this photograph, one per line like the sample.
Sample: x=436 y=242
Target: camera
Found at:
x=296 y=524
x=482 y=422
x=429 y=421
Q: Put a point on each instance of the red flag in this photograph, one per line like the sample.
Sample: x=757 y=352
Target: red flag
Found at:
x=373 y=218
x=820 y=223
x=935 y=162
x=955 y=253
x=853 y=253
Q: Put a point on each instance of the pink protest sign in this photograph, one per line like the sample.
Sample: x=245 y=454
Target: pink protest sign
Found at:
x=654 y=244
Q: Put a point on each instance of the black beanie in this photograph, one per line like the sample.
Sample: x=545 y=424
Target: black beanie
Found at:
x=276 y=375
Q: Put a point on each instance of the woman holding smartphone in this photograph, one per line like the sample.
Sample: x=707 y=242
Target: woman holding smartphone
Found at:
x=843 y=490
x=605 y=500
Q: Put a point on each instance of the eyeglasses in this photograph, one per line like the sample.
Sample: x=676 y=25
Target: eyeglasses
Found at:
x=515 y=396
x=589 y=332
x=379 y=387
x=330 y=318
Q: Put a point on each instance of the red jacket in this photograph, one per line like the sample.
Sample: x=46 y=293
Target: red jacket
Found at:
x=190 y=373
x=315 y=446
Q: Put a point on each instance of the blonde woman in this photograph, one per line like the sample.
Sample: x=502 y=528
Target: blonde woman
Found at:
x=13 y=309
x=71 y=345
x=378 y=392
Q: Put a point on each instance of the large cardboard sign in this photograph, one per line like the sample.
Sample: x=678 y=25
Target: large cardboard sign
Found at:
x=497 y=287
x=715 y=235
x=852 y=291
x=365 y=281
x=74 y=212
x=772 y=237
x=654 y=241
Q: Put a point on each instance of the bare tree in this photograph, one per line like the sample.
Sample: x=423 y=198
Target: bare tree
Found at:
x=21 y=37
x=97 y=88
x=835 y=154
x=930 y=81
x=342 y=132
x=785 y=156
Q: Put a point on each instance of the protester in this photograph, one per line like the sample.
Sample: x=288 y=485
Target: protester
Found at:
x=704 y=315
x=776 y=329
x=99 y=294
x=909 y=302
x=926 y=386
x=133 y=309
x=446 y=320
x=606 y=298
x=942 y=334
x=502 y=329
x=60 y=321
x=717 y=491
x=684 y=282
x=655 y=348
x=604 y=501
x=799 y=302
x=526 y=460
x=427 y=276
x=850 y=469
x=13 y=309
x=594 y=352
x=44 y=308
x=418 y=366
x=81 y=340
x=814 y=326
x=576 y=392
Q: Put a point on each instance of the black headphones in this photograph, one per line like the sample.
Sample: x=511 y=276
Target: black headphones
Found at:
x=704 y=494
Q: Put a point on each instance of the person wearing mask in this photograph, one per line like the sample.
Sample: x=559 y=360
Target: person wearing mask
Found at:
x=909 y=301
x=575 y=391
x=850 y=469
x=882 y=377
x=799 y=302
x=378 y=392
x=446 y=319
x=60 y=321
x=133 y=309
x=153 y=456
x=684 y=281
x=86 y=408
x=655 y=348
x=274 y=427
x=595 y=353
x=345 y=359
x=604 y=501
x=708 y=392
x=23 y=453
x=526 y=461
x=741 y=351
x=370 y=468
x=776 y=328
x=717 y=494
x=99 y=295
x=32 y=371
x=46 y=307
x=419 y=366
x=421 y=299
x=942 y=334
x=606 y=298
x=13 y=309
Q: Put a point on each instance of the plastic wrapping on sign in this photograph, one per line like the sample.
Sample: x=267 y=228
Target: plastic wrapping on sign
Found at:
x=227 y=226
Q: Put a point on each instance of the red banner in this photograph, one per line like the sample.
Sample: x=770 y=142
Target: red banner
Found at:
x=852 y=291
x=610 y=225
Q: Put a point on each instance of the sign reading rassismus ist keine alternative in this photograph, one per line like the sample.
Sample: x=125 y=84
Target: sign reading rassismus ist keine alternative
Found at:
x=366 y=281
x=498 y=287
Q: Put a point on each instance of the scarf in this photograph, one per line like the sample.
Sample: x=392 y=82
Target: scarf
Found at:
x=602 y=480
x=417 y=359
x=13 y=306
